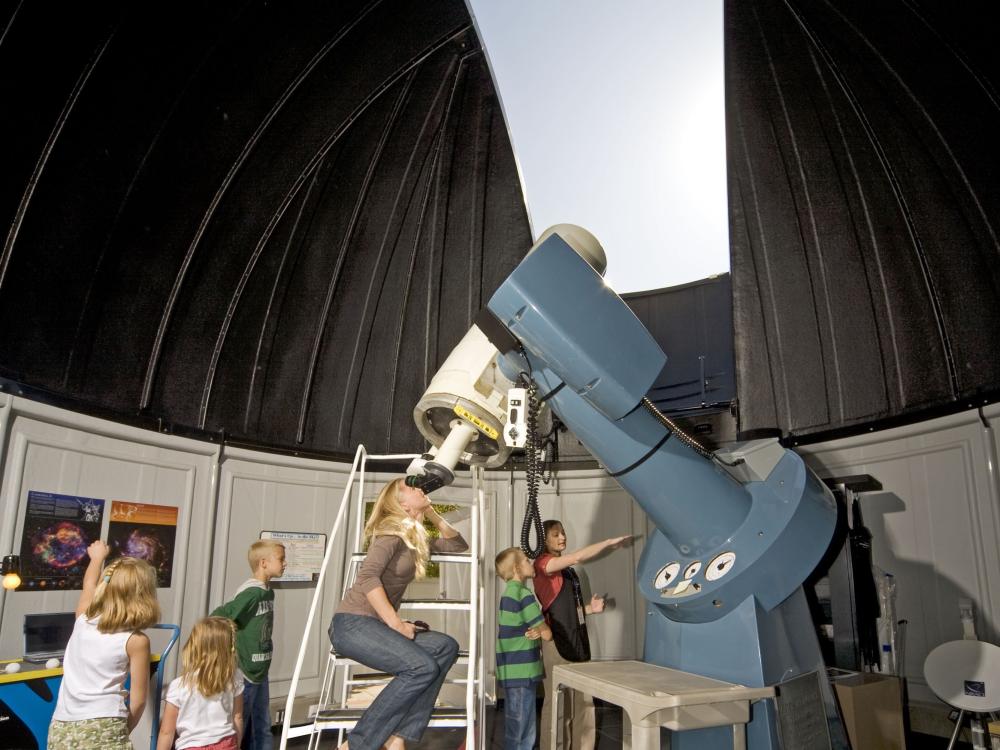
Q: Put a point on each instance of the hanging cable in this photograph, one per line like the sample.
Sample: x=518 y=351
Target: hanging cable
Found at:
x=548 y=457
x=533 y=471
x=667 y=422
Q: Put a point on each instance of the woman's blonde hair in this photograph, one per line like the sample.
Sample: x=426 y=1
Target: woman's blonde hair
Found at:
x=208 y=659
x=125 y=598
x=389 y=519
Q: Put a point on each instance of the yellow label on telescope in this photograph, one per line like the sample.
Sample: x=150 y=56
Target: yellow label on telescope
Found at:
x=480 y=424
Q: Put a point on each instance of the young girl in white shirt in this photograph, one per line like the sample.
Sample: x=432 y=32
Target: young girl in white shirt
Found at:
x=204 y=706
x=105 y=649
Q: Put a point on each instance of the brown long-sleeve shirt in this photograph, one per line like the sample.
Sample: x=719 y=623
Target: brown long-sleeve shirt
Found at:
x=389 y=564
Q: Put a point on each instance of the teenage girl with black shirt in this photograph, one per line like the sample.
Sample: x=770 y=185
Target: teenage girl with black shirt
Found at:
x=557 y=588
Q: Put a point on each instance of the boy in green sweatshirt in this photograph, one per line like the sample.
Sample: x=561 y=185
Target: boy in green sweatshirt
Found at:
x=252 y=609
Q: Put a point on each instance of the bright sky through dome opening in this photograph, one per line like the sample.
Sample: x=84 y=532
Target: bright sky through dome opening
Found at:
x=617 y=120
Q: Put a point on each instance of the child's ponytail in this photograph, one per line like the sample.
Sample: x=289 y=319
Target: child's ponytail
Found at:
x=125 y=598
x=208 y=659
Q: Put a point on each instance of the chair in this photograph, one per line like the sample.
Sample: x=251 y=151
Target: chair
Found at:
x=965 y=674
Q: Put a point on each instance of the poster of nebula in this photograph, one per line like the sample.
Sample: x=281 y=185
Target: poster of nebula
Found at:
x=145 y=531
x=57 y=531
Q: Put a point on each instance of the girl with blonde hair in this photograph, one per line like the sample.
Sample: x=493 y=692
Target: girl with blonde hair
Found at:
x=106 y=648
x=368 y=629
x=204 y=706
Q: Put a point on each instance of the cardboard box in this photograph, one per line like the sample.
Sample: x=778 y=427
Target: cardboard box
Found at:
x=872 y=708
x=994 y=729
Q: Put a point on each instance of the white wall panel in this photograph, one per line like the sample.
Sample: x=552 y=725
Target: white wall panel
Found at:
x=51 y=450
x=258 y=492
x=226 y=499
x=935 y=524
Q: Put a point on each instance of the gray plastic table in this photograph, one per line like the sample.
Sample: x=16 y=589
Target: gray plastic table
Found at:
x=652 y=697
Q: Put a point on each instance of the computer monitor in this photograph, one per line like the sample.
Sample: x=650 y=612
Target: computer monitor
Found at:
x=46 y=635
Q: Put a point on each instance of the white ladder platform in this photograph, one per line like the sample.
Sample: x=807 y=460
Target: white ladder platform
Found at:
x=346 y=718
x=457 y=604
x=463 y=658
x=438 y=557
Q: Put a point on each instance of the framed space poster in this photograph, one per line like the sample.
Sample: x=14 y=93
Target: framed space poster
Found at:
x=57 y=531
x=145 y=531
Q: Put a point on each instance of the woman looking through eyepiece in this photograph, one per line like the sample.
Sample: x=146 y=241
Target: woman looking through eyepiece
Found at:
x=367 y=626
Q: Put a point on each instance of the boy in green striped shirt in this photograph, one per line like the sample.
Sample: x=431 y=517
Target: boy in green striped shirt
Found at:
x=519 y=659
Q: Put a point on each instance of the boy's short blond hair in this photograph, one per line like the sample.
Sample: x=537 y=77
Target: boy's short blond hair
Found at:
x=506 y=562
x=261 y=549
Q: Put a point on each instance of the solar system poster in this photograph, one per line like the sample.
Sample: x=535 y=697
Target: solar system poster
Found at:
x=57 y=531
x=145 y=531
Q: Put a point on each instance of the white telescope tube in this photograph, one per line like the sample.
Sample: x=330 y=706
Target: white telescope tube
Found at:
x=453 y=447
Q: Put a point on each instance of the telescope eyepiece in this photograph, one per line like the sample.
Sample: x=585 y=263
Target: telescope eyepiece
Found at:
x=434 y=477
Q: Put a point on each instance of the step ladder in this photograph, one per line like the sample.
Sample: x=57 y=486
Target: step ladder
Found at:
x=333 y=715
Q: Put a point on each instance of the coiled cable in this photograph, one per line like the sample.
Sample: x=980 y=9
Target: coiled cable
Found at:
x=532 y=518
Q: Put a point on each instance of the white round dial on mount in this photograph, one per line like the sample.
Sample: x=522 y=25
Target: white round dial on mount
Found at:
x=692 y=570
x=720 y=565
x=666 y=575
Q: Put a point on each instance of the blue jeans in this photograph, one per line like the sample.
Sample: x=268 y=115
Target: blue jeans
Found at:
x=519 y=717
x=404 y=706
x=256 y=716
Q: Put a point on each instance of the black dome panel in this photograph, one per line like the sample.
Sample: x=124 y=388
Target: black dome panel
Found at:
x=272 y=220
x=864 y=211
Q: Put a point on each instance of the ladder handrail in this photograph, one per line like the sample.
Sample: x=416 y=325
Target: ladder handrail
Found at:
x=473 y=618
x=479 y=675
x=360 y=455
x=360 y=523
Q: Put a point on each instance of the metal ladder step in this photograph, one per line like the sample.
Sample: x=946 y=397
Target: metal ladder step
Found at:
x=380 y=678
x=346 y=718
x=463 y=658
x=461 y=605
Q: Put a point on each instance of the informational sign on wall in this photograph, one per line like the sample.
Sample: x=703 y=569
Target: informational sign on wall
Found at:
x=145 y=531
x=57 y=531
x=303 y=554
